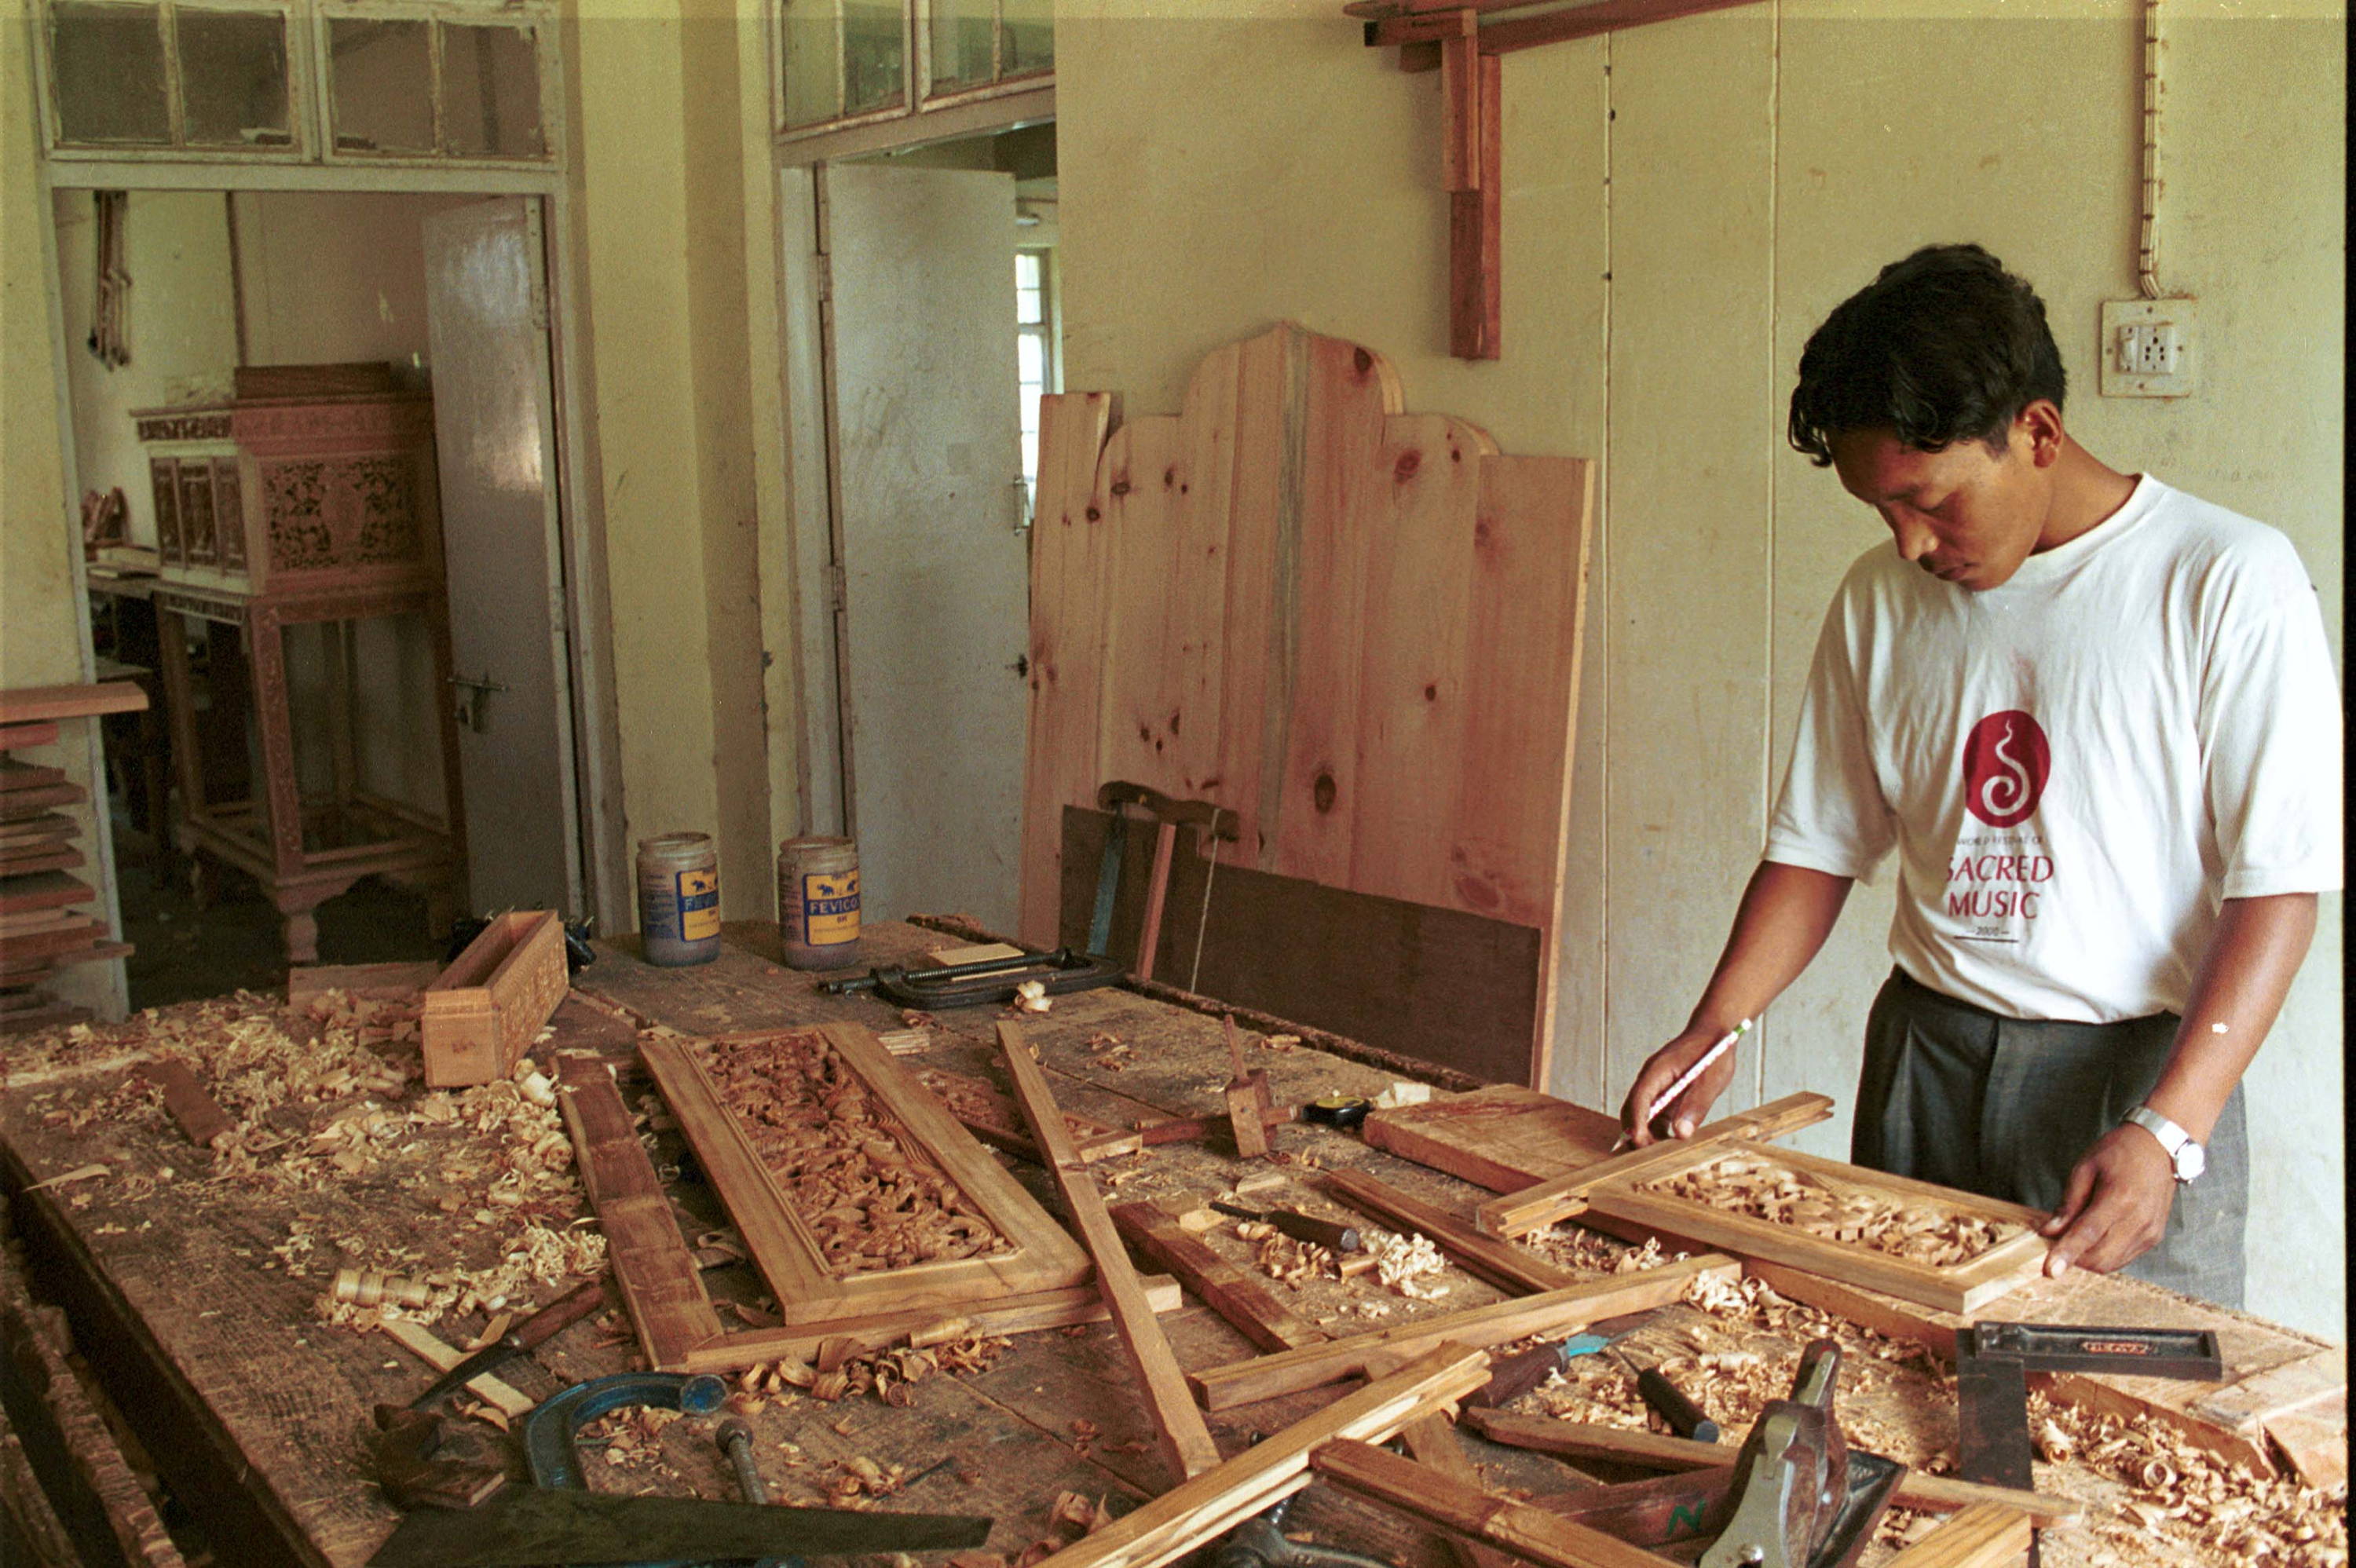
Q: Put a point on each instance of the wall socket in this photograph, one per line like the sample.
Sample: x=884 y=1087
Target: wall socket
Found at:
x=2148 y=349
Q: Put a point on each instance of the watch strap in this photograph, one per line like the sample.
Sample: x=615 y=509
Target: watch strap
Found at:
x=2183 y=1152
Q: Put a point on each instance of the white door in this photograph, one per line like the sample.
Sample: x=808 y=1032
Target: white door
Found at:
x=936 y=575
x=494 y=442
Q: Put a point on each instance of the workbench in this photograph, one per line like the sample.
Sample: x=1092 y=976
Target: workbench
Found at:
x=200 y=1318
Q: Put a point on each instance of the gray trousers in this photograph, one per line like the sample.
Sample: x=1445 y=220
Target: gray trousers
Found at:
x=2004 y=1107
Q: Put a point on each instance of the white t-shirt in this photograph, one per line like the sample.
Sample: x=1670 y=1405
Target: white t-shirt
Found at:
x=2074 y=767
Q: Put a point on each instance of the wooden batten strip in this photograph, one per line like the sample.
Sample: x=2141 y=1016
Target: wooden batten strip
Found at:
x=1519 y=1527
x=1186 y=1441
x=1573 y=1307
x=1534 y=1207
x=1502 y=1264
x=35 y=704
x=993 y=1118
x=1025 y=1314
x=1985 y=1535
x=1244 y=1300
x=662 y=1290
x=1623 y=1446
x=1201 y=1509
x=1432 y=1441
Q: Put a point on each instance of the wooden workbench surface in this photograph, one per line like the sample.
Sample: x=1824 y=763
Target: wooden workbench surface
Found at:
x=196 y=1297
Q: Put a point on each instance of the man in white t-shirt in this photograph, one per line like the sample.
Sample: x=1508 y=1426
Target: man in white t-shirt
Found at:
x=2097 y=720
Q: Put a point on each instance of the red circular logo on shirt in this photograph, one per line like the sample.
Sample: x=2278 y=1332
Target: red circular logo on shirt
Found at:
x=2006 y=759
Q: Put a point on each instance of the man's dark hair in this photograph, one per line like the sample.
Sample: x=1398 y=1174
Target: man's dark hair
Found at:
x=1942 y=346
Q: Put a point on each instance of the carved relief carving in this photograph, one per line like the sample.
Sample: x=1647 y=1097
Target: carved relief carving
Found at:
x=228 y=509
x=315 y=422
x=183 y=427
x=388 y=510
x=296 y=497
x=196 y=523
x=163 y=474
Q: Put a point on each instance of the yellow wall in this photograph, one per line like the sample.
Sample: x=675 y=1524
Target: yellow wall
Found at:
x=1683 y=204
x=661 y=250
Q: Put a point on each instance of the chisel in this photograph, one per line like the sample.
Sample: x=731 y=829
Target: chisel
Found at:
x=1301 y=1227
x=541 y=1325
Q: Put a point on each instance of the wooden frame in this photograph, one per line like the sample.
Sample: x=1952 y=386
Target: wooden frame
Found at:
x=1043 y=1257
x=660 y=1284
x=1953 y=1288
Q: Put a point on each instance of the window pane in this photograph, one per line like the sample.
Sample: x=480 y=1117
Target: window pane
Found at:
x=1029 y=42
x=383 y=85
x=491 y=92
x=960 y=43
x=1031 y=410
x=1030 y=358
x=813 y=86
x=108 y=64
x=874 y=55
x=1031 y=454
x=233 y=78
x=1026 y=269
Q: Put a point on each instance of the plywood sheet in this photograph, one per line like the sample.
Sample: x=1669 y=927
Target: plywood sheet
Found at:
x=1354 y=627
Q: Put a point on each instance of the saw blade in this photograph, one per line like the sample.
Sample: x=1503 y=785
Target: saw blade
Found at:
x=525 y=1526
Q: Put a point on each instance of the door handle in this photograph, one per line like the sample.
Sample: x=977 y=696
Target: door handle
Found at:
x=470 y=709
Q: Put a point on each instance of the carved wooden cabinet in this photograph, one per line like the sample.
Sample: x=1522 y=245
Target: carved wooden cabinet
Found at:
x=308 y=500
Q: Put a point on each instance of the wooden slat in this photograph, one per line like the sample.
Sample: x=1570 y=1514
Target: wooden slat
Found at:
x=192 y=1110
x=16 y=775
x=1460 y=104
x=1502 y=1264
x=1069 y=554
x=42 y=828
x=1152 y=608
x=1263 y=551
x=1519 y=1213
x=22 y=737
x=1503 y=1137
x=51 y=945
x=1625 y=1446
x=998 y=1121
x=1242 y=1298
x=1431 y=1442
x=1029 y=1313
x=19 y=806
x=441 y=1355
x=16 y=972
x=661 y=1289
x=1985 y=1535
x=44 y=858
x=1168 y=1527
x=1186 y=1441
x=1476 y=226
x=1572 y=1308
x=34 y=704
x=1526 y=1531
x=1509 y=34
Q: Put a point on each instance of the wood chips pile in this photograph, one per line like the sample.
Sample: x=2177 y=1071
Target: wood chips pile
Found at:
x=1921 y=1231
x=870 y=1197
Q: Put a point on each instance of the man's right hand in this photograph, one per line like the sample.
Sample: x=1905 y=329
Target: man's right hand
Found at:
x=1680 y=1117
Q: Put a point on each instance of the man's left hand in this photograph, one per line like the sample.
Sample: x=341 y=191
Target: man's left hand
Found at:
x=2116 y=1208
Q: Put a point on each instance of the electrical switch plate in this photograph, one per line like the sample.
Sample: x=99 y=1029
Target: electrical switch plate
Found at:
x=2148 y=349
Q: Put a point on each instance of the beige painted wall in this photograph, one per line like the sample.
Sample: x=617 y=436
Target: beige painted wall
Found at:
x=1683 y=204
x=659 y=203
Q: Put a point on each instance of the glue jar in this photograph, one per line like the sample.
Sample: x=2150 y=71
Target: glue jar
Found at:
x=818 y=902
x=679 y=899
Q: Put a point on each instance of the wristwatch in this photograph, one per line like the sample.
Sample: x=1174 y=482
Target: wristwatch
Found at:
x=2189 y=1158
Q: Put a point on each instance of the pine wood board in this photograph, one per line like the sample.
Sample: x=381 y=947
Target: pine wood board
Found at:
x=1042 y=1257
x=1246 y=550
x=1503 y=1137
x=1564 y=1311
x=1185 y=1443
x=35 y=704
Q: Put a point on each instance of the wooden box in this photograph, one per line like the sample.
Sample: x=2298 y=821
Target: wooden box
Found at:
x=480 y=1015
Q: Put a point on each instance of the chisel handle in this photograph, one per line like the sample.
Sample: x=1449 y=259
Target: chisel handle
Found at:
x=1516 y=1376
x=1685 y=1418
x=1332 y=1237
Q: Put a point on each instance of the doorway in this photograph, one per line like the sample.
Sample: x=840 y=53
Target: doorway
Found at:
x=939 y=336
x=225 y=285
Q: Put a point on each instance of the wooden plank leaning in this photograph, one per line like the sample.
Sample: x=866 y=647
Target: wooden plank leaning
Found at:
x=1186 y=1441
x=1621 y=1446
x=1170 y=1526
x=1519 y=1527
x=1314 y=1366
x=1534 y=1207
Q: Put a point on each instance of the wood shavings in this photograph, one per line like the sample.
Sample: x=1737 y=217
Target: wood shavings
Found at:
x=1031 y=997
x=1921 y=1229
x=871 y=1197
x=1404 y=1262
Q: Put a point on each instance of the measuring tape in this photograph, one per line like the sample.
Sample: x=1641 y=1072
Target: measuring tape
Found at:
x=1337 y=1110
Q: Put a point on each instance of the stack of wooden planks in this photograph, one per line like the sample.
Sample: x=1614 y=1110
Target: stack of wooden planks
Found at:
x=1356 y=628
x=42 y=930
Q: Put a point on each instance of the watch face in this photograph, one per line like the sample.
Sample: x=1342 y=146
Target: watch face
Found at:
x=2191 y=1161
